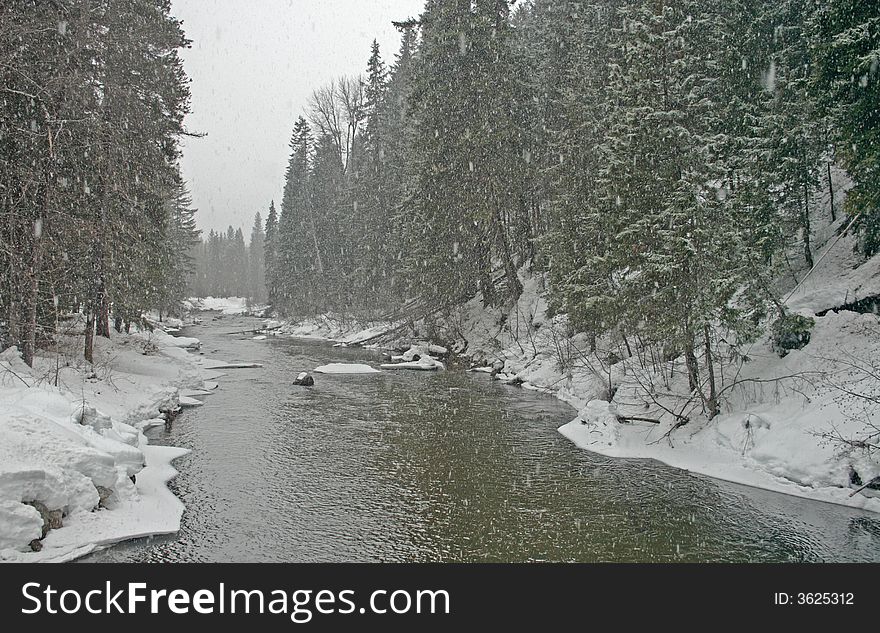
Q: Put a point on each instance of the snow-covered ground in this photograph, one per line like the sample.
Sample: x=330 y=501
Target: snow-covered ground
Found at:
x=73 y=455
x=226 y=305
x=328 y=327
x=784 y=423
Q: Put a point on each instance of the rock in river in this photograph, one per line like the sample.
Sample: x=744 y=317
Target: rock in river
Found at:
x=304 y=380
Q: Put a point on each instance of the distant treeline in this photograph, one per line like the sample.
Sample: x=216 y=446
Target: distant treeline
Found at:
x=227 y=267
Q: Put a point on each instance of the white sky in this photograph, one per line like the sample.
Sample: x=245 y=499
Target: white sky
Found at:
x=253 y=65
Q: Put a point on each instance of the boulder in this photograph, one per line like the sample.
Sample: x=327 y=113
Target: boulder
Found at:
x=497 y=368
x=52 y=519
x=304 y=380
x=103 y=495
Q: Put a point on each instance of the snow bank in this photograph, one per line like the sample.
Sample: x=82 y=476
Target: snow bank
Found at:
x=346 y=368
x=327 y=327
x=73 y=457
x=838 y=279
x=226 y=305
x=19 y=524
x=183 y=341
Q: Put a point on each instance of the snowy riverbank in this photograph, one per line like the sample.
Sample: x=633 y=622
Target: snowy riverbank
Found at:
x=786 y=425
x=73 y=455
x=224 y=305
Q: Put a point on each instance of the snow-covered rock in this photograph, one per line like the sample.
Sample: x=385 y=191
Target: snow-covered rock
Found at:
x=418 y=357
x=69 y=448
x=19 y=525
x=425 y=363
x=346 y=368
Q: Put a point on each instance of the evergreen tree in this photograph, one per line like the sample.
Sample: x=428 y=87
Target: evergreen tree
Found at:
x=299 y=255
x=270 y=256
x=680 y=252
x=237 y=260
x=464 y=149
x=791 y=120
x=847 y=81
x=179 y=266
x=93 y=107
x=584 y=218
x=333 y=229
x=256 y=286
x=399 y=163
x=371 y=191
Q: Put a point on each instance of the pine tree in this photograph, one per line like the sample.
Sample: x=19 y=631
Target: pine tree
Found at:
x=178 y=267
x=88 y=203
x=216 y=265
x=270 y=257
x=399 y=162
x=464 y=148
x=583 y=215
x=256 y=286
x=332 y=227
x=299 y=255
x=371 y=190
x=238 y=264
x=792 y=121
x=847 y=81
x=681 y=254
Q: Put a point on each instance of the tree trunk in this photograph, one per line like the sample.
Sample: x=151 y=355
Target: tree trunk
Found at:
x=103 y=324
x=29 y=329
x=514 y=286
x=487 y=288
x=89 y=349
x=626 y=344
x=690 y=360
x=831 y=193
x=805 y=223
x=13 y=319
x=29 y=334
x=487 y=285
x=117 y=324
x=712 y=402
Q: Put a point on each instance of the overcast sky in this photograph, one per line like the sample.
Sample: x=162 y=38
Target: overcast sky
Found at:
x=253 y=66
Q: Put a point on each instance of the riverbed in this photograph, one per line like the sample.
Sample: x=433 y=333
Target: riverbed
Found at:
x=442 y=466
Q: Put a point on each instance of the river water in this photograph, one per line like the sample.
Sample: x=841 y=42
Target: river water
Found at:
x=446 y=466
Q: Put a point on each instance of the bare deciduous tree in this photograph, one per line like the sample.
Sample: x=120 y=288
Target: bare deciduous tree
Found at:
x=337 y=112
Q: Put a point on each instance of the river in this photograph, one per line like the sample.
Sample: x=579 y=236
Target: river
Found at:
x=446 y=466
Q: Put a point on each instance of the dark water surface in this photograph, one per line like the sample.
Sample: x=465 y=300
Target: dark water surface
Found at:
x=449 y=466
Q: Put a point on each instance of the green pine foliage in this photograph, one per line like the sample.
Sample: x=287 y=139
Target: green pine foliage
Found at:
x=846 y=43
x=93 y=100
